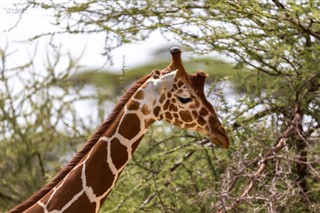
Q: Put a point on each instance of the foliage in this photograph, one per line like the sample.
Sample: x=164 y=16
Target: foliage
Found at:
x=40 y=125
x=273 y=163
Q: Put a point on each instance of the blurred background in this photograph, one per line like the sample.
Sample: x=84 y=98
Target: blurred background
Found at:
x=64 y=65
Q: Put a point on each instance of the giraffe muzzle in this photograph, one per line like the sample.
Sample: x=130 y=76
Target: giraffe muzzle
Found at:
x=219 y=136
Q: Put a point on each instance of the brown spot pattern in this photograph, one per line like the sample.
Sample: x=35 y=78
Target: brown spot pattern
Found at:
x=71 y=186
x=185 y=116
x=166 y=105
x=168 y=115
x=156 y=111
x=194 y=113
x=46 y=197
x=156 y=74
x=82 y=204
x=175 y=87
x=148 y=122
x=119 y=153
x=189 y=126
x=139 y=95
x=145 y=110
x=177 y=123
x=99 y=172
x=35 y=209
x=173 y=108
x=135 y=144
x=201 y=121
x=133 y=105
x=162 y=98
x=203 y=112
x=134 y=121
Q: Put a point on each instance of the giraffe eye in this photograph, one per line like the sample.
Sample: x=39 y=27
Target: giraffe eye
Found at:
x=184 y=100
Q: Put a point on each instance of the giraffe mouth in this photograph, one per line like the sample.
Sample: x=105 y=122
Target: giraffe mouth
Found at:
x=219 y=136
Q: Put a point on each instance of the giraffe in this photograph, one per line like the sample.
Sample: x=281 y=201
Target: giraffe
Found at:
x=170 y=94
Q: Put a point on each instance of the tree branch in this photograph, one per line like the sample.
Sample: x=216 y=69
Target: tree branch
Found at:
x=292 y=129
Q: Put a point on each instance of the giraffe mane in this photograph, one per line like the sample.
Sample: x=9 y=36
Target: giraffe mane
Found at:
x=85 y=149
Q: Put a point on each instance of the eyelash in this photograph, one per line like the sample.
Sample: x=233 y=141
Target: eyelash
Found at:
x=185 y=100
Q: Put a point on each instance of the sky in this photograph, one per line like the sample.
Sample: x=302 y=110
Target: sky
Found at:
x=15 y=42
x=35 y=21
x=89 y=46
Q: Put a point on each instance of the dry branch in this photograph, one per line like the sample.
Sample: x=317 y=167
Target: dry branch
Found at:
x=292 y=129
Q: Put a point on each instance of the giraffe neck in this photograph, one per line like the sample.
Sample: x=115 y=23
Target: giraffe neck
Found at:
x=86 y=187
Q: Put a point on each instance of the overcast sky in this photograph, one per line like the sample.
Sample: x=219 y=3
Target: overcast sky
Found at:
x=38 y=21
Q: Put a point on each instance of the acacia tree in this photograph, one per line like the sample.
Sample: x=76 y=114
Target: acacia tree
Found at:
x=40 y=123
x=274 y=160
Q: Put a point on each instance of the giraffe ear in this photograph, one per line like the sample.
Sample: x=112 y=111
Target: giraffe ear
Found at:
x=166 y=81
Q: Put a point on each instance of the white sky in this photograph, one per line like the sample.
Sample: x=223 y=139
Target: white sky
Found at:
x=38 y=21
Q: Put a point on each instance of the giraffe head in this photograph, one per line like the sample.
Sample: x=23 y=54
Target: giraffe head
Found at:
x=181 y=100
